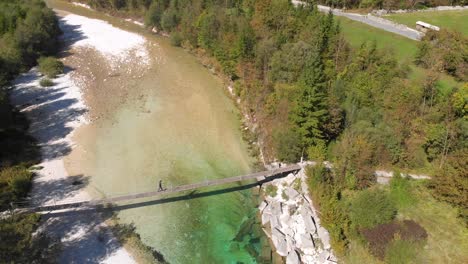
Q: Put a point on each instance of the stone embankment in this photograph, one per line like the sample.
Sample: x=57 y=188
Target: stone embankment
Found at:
x=292 y=223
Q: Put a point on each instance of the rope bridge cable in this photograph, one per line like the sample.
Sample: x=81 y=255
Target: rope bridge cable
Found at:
x=267 y=175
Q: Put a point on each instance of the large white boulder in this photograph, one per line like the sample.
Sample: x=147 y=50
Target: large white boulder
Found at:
x=279 y=240
x=262 y=206
x=307 y=241
x=323 y=256
x=324 y=237
x=276 y=208
x=291 y=193
x=267 y=209
x=275 y=222
x=309 y=223
x=266 y=218
x=293 y=258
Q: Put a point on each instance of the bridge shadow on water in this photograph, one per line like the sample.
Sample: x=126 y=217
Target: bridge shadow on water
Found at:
x=84 y=230
x=190 y=196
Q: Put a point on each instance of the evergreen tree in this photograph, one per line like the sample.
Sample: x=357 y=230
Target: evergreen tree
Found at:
x=246 y=42
x=310 y=111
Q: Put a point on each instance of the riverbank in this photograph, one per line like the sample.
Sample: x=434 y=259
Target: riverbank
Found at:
x=56 y=113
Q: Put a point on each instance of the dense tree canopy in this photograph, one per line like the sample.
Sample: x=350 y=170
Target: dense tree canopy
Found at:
x=28 y=30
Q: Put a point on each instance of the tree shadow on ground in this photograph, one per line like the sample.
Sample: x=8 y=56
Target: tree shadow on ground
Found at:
x=71 y=35
x=51 y=112
x=52 y=191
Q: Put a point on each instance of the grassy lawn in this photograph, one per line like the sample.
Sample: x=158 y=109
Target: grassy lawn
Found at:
x=454 y=20
x=358 y=254
x=447 y=236
x=357 y=33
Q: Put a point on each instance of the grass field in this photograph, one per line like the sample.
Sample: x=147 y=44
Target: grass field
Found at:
x=447 y=235
x=453 y=20
x=357 y=33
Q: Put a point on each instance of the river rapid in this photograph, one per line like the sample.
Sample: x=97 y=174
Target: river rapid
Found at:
x=169 y=121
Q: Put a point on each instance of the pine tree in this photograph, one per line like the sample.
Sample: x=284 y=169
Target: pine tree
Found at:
x=310 y=111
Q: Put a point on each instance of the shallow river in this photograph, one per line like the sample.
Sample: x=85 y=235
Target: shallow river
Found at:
x=175 y=124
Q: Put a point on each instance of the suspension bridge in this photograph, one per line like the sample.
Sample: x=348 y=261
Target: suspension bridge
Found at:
x=260 y=177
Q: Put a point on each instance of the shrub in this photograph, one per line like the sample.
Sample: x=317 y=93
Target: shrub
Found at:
x=176 y=39
x=370 y=208
x=46 y=82
x=18 y=180
x=154 y=14
x=400 y=191
x=317 y=152
x=50 y=66
x=288 y=145
x=19 y=245
x=381 y=236
x=271 y=190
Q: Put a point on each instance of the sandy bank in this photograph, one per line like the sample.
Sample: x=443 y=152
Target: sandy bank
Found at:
x=55 y=113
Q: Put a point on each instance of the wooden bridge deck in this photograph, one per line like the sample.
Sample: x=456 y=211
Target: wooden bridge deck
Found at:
x=264 y=175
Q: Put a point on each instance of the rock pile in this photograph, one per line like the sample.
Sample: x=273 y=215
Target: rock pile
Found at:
x=291 y=222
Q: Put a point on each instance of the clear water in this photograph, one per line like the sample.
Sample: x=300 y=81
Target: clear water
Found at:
x=183 y=130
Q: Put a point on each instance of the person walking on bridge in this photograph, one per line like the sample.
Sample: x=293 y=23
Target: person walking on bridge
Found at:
x=160 y=186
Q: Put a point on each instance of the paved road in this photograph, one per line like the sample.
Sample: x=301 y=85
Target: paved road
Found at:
x=373 y=21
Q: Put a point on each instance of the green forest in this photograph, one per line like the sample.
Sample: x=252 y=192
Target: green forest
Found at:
x=309 y=94
x=28 y=30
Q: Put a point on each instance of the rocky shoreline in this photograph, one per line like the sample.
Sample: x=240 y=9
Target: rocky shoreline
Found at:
x=290 y=220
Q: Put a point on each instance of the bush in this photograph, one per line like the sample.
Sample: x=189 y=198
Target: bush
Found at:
x=19 y=245
x=288 y=145
x=46 y=82
x=317 y=152
x=271 y=190
x=50 y=66
x=17 y=179
x=381 y=236
x=15 y=183
x=371 y=208
x=176 y=39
